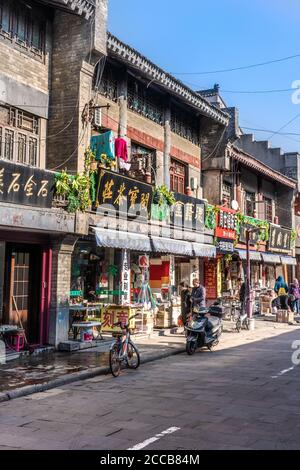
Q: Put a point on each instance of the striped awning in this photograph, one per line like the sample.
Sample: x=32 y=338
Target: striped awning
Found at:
x=254 y=255
x=123 y=240
x=172 y=246
x=271 y=258
x=288 y=260
x=204 y=251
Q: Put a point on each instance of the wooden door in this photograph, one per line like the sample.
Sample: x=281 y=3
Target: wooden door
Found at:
x=23 y=289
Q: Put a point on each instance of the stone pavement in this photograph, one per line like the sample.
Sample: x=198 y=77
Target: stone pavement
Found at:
x=244 y=395
x=37 y=373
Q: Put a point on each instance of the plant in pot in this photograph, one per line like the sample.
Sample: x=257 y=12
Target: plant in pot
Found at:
x=90 y=163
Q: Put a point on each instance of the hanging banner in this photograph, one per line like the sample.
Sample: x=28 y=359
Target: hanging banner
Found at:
x=279 y=239
x=211 y=279
x=125 y=278
x=226 y=223
x=123 y=195
x=188 y=212
x=25 y=185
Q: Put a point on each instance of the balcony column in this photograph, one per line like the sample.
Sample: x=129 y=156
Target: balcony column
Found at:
x=123 y=106
x=167 y=146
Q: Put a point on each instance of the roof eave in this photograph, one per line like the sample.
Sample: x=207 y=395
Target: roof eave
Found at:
x=122 y=51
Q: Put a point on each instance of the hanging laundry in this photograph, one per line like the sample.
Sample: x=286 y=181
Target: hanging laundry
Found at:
x=121 y=148
x=103 y=144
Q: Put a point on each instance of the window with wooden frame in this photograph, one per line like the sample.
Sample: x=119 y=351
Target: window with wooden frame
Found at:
x=24 y=24
x=268 y=209
x=226 y=193
x=178 y=176
x=19 y=136
x=249 y=203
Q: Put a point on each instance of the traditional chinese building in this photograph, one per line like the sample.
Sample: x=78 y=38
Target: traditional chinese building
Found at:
x=237 y=178
x=48 y=51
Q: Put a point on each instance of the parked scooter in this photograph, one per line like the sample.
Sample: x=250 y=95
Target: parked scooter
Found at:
x=204 y=329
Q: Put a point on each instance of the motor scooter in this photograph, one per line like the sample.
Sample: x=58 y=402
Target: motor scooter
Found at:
x=204 y=329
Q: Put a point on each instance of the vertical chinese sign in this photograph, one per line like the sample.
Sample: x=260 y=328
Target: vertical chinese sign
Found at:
x=211 y=278
x=125 y=278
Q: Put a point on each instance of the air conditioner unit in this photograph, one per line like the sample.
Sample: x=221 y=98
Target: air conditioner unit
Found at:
x=98 y=117
x=194 y=184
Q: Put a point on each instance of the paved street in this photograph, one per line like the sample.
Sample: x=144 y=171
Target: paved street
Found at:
x=239 y=397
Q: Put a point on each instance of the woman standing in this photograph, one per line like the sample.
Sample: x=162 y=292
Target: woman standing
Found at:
x=294 y=292
x=186 y=302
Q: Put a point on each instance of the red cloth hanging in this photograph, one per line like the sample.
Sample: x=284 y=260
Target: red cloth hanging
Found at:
x=121 y=148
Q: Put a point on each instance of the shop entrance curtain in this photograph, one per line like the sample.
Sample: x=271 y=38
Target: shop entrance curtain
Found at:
x=122 y=240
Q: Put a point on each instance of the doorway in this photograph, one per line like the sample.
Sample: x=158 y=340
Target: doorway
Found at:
x=23 y=286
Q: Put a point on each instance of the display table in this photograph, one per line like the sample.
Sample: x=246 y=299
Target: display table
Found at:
x=86 y=326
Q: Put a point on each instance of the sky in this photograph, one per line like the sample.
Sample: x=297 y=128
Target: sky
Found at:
x=186 y=38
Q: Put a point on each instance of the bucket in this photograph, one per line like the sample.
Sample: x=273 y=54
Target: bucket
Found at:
x=251 y=324
x=86 y=334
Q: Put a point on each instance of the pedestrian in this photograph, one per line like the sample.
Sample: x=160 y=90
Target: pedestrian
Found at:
x=242 y=295
x=281 y=290
x=294 y=294
x=198 y=295
x=186 y=301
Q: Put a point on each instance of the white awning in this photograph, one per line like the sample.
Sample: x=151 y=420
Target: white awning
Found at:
x=204 y=251
x=254 y=255
x=169 y=245
x=288 y=260
x=123 y=240
x=271 y=258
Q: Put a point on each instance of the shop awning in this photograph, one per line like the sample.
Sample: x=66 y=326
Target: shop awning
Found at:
x=254 y=255
x=123 y=240
x=271 y=258
x=169 y=245
x=204 y=251
x=288 y=260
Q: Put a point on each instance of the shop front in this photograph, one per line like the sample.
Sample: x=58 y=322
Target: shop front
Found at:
x=28 y=228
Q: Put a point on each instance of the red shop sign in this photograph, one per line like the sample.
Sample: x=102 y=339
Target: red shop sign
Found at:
x=226 y=223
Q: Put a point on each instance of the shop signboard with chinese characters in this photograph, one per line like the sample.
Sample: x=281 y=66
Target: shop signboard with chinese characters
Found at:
x=224 y=246
x=211 y=278
x=20 y=184
x=279 y=239
x=226 y=223
x=127 y=196
x=188 y=212
x=113 y=314
x=253 y=235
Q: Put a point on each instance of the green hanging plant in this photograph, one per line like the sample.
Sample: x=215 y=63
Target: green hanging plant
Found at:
x=293 y=237
x=162 y=195
x=211 y=216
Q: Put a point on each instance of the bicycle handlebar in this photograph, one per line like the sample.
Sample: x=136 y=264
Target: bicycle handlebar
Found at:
x=119 y=323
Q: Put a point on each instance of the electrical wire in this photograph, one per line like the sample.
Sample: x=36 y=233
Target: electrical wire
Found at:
x=244 y=67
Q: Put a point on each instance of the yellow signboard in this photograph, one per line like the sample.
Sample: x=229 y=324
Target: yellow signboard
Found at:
x=116 y=313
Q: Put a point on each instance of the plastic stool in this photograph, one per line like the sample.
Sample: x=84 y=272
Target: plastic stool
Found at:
x=16 y=341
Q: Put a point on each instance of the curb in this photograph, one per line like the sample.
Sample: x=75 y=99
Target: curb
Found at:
x=76 y=376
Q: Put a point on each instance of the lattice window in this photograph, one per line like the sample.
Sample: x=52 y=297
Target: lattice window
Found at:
x=19 y=133
x=107 y=83
x=268 y=209
x=249 y=206
x=178 y=176
x=185 y=124
x=144 y=101
x=23 y=24
x=226 y=192
x=143 y=160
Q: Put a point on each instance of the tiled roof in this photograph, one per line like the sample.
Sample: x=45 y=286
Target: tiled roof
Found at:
x=80 y=7
x=125 y=53
x=251 y=162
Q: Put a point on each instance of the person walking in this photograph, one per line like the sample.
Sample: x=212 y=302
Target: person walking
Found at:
x=198 y=295
x=294 y=293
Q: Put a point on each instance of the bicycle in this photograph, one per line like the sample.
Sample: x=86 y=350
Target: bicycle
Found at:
x=123 y=350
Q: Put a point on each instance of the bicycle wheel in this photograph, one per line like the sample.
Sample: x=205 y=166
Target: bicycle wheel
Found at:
x=114 y=362
x=238 y=326
x=133 y=356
